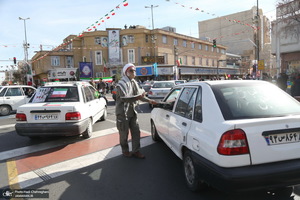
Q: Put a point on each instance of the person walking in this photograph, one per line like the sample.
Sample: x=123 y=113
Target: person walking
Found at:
x=101 y=86
x=128 y=94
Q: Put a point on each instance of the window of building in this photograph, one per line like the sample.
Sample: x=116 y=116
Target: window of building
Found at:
x=207 y=62
x=83 y=59
x=98 y=58
x=175 y=41
x=69 y=60
x=213 y=62
x=147 y=38
x=184 y=43
x=185 y=60
x=200 y=46
x=97 y=40
x=200 y=61
x=212 y=49
x=55 y=61
x=193 y=45
x=193 y=60
x=131 y=56
x=148 y=54
x=164 y=39
x=165 y=58
x=206 y=47
x=130 y=39
x=70 y=46
x=218 y=50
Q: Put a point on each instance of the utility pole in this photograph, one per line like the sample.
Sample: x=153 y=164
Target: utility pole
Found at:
x=153 y=35
x=26 y=46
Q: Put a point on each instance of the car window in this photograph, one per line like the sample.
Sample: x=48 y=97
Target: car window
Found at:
x=56 y=94
x=172 y=95
x=2 y=93
x=89 y=94
x=246 y=101
x=13 y=92
x=163 y=85
x=184 y=106
x=198 y=106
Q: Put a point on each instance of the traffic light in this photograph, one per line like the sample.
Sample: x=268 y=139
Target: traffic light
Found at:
x=15 y=60
x=214 y=43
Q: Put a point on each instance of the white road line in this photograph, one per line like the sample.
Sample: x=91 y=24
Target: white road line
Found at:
x=52 y=144
x=31 y=178
x=7 y=126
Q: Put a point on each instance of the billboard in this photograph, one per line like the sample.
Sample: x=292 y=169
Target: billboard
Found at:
x=114 y=56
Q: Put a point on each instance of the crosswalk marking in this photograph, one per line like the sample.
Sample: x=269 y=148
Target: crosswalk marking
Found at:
x=30 y=178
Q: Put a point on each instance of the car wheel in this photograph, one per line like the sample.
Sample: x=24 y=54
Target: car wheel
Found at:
x=88 y=132
x=104 y=116
x=154 y=134
x=190 y=173
x=5 y=110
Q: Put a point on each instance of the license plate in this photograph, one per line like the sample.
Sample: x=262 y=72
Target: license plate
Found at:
x=283 y=138
x=46 y=117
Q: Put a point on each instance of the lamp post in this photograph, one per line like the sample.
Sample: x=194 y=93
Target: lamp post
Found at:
x=153 y=36
x=26 y=49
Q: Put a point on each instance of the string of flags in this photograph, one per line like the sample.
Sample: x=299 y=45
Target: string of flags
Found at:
x=226 y=18
x=92 y=27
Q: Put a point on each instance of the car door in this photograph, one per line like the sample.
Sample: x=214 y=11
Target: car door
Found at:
x=181 y=119
x=15 y=97
x=92 y=103
x=162 y=116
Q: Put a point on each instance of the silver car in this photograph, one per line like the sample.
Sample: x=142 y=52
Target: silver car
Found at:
x=160 y=89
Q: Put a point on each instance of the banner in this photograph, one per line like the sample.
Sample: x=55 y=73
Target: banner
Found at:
x=86 y=69
x=114 y=56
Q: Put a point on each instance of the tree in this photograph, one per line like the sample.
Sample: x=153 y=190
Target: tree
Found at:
x=289 y=11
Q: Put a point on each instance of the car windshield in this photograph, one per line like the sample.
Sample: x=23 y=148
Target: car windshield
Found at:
x=254 y=100
x=163 y=85
x=56 y=94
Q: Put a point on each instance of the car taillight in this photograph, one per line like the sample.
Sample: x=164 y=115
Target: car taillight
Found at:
x=150 y=92
x=233 y=142
x=21 y=117
x=73 y=116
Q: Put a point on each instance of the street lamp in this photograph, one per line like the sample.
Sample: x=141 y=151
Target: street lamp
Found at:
x=153 y=36
x=152 y=13
x=26 y=48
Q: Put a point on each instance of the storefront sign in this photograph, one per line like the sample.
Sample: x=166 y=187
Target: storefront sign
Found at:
x=61 y=73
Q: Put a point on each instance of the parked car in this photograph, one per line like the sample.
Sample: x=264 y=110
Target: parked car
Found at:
x=180 y=82
x=233 y=135
x=147 y=86
x=61 y=109
x=13 y=96
x=160 y=89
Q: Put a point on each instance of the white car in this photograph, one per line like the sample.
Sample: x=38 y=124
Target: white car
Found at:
x=13 y=96
x=160 y=89
x=233 y=135
x=61 y=109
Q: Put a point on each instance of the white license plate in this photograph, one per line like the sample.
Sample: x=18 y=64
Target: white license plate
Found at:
x=283 y=138
x=46 y=117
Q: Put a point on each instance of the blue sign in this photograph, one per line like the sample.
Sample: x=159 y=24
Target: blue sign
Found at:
x=144 y=71
x=86 y=69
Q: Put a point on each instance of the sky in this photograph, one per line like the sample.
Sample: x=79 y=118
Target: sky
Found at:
x=51 y=21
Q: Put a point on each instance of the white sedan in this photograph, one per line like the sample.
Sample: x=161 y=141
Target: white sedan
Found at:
x=61 y=109
x=233 y=135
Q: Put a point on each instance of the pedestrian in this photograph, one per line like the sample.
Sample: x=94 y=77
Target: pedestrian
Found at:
x=101 y=86
x=282 y=81
x=128 y=94
x=295 y=89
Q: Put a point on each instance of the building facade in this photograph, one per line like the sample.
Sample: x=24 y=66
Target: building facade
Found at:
x=103 y=53
x=245 y=33
x=286 y=38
